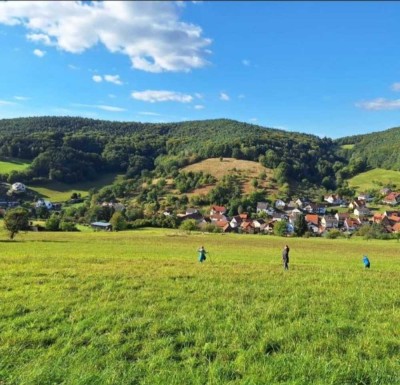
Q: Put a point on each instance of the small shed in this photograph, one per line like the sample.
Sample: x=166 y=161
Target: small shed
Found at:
x=101 y=226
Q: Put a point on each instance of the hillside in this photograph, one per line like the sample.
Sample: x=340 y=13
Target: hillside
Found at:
x=71 y=150
x=377 y=150
x=247 y=171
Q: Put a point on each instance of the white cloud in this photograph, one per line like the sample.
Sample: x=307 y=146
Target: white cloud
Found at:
x=253 y=120
x=21 y=98
x=97 y=78
x=380 y=104
x=148 y=113
x=153 y=96
x=150 y=33
x=241 y=96
x=72 y=67
x=246 y=62
x=112 y=96
x=199 y=107
x=198 y=95
x=395 y=87
x=224 y=96
x=101 y=107
x=39 y=52
x=107 y=78
x=113 y=79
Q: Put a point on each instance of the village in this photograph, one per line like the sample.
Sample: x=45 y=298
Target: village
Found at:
x=318 y=216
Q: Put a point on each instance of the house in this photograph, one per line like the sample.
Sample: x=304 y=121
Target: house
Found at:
x=351 y=224
x=396 y=228
x=365 y=197
x=257 y=223
x=385 y=191
x=217 y=217
x=301 y=202
x=312 y=219
x=333 y=199
x=236 y=221
x=280 y=204
x=244 y=216
x=43 y=203
x=246 y=227
x=392 y=199
x=18 y=187
x=218 y=210
x=191 y=210
x=341 y=217
x=101 y=226
x=262 y=207
x=279 y=217
x=315 y=208
x=362 y=212
x=356 y=203
x=114 y=205
x=329 y=222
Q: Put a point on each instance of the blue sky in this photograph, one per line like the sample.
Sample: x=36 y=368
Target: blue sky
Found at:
x=326 y=68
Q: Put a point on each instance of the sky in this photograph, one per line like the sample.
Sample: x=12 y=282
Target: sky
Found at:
x=328 y=68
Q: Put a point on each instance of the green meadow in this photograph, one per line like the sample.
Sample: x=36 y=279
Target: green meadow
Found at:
x=136 y=307
x=6 y=166
x=59 y=192
x=369 y=179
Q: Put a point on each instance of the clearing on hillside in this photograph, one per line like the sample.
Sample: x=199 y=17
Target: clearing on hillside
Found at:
x=375 y=179
x=11 y=164
x=245 y=169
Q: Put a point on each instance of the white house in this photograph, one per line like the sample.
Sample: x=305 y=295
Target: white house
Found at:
x=43 y=203
x=18 y=187
x=280 y=204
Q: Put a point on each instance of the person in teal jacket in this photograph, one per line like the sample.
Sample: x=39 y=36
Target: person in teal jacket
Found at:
x=202 y=254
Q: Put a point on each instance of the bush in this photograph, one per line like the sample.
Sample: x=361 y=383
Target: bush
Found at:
x=67 y=226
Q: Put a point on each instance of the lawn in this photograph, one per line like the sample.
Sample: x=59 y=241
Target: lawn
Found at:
x=6 y=166
x=60 y=192
x=374 y=179
x=137 y=308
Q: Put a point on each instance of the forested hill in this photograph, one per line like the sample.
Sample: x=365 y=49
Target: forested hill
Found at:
x=377 y=150
x=71 y=149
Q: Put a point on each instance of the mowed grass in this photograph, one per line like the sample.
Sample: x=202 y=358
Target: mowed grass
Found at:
x=137 y=308
x=368 y=180
x=60 y=192
x=6 y=166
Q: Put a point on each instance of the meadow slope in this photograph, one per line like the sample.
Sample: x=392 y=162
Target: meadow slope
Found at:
x=137 y=308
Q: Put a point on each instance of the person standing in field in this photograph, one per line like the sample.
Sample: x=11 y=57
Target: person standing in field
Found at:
x=366 y=262
x=202 y=254
x=285 y=257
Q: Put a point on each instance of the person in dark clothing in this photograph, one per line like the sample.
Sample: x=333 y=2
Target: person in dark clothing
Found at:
x=367 y=263
x=285 y=257
x=202 y=254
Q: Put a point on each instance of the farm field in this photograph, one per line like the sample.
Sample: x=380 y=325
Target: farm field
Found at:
x=59 y=192
x=6 y=166
x=136 y=307
x=368 y=180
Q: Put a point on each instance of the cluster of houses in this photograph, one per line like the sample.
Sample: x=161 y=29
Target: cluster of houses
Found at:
x=316 y=216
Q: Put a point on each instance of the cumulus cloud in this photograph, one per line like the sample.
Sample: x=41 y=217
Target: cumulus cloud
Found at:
x=224 y=96
x=39 y=52
x=154 y=96
x=395 y=87
x=150 y=33
x=246 y=62
x=199 y=107
x=380 y=104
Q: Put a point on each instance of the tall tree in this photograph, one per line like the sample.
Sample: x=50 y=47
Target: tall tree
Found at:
x=16 y=220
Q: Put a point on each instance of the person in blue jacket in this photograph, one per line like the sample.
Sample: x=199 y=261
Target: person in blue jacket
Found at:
x=366 y=262
x=202 y=254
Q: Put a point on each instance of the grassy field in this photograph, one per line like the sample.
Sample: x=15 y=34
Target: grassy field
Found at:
x=6 y=166
x=369 y=180
x=59 y=192
x=137 y=308
x=245 y=169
